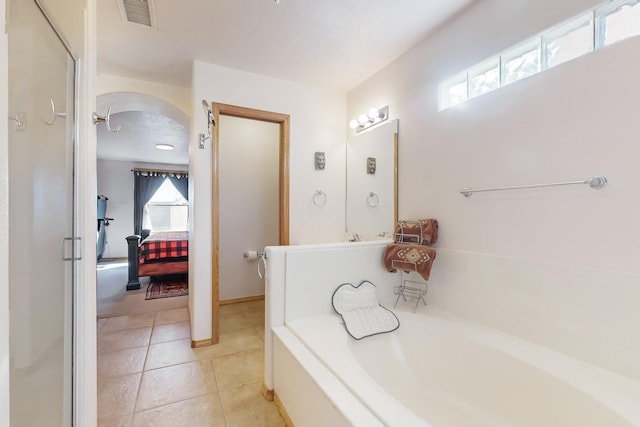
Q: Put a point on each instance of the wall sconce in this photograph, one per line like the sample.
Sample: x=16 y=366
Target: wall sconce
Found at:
x=372 y=118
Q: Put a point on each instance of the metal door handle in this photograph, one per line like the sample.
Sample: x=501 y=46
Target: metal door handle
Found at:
x=64 y=247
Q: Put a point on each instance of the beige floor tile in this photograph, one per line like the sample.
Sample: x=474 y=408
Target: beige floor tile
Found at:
x=253 y=307
x=202 y=411
x=126 y=338
x=256 y=318
x=118 y=421
x=233 y=321
x=170 y=332
x=132 y=321
x=231 y=342
x=170 y=353
x=101 y=323
x=121 y=362
x=230 y=309
x=260 y=331
x=239 y=368
x=176 y=315
x=244 y=406
x=254 y=311
x=175 y=383
x=117 y=396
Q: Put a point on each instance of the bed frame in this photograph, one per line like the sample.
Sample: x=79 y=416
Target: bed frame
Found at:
x=136 y=270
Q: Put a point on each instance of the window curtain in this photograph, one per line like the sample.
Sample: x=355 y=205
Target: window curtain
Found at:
x=145 y=185
x=181 y=182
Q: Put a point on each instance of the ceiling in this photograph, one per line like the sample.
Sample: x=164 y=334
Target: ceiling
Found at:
x=332 y=44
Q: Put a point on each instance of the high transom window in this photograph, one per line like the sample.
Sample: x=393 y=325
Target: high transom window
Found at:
x=600 y=27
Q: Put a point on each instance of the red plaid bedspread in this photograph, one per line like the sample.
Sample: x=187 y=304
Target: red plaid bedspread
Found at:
x=161 y=245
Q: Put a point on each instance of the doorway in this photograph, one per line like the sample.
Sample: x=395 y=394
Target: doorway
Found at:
x=282 y=120
x=42 y=236
x=144 y=121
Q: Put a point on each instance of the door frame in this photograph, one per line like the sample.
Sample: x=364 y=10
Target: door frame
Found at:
x=283 y=120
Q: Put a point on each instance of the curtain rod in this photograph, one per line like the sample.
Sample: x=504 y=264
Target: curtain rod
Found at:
x=159 y=171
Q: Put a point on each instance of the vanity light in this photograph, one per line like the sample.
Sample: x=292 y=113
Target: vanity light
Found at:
x=373 y=117
x=164 y=146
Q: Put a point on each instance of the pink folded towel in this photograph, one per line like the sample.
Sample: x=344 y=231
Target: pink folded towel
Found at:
x=420 y=232
x=400 y=256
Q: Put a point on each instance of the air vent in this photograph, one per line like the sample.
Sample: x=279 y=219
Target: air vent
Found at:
x=138 y=11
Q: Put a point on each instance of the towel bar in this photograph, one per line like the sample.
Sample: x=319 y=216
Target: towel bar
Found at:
x=597 y=182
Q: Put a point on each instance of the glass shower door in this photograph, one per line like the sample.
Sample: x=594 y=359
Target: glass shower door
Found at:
x=42 y=244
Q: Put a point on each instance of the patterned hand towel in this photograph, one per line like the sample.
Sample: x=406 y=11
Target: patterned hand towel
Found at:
x=400 y=256
x=420 y=232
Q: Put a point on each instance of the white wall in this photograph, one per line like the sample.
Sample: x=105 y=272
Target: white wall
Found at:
x=248 y=171
x=318 y=123
x=569 y=123
x=176 y=95
x=115 y=180
x=4 y=226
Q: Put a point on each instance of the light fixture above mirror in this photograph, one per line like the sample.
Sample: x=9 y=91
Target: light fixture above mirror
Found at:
x=372 y=118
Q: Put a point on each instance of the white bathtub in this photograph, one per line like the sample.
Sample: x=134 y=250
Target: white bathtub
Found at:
x=436 y=370
x=439 y=371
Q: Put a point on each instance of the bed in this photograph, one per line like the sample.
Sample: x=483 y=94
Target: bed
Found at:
x=157 y=254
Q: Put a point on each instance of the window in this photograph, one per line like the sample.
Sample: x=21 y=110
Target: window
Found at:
x=484 y=78
x=167 y=210
x=454 y=91
x=521 y=62
x=568 y=41
x=616 y=20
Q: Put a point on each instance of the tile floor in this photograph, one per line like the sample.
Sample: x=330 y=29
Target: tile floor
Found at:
x=148 y=374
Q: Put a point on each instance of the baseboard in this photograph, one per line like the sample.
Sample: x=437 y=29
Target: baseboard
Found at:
x=283 y=411
x=243 y=299
x=267 y=393
x=201 y=343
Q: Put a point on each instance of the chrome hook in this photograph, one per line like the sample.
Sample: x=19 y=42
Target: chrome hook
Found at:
x=105 y=119
x=54 y=114
x=19 y=123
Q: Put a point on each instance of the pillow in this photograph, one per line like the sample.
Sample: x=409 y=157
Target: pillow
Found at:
x=362 y=314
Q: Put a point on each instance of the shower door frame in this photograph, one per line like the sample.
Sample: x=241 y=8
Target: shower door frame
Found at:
x=72 y=252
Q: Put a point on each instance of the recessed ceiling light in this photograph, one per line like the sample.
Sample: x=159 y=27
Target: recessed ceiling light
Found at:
x=164 y=146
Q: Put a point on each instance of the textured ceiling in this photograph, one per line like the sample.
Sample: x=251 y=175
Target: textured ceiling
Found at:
x=335 y=43
x=332 y=44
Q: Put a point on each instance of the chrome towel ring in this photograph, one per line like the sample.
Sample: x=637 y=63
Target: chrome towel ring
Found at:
x=319 y=198
x=373 y=200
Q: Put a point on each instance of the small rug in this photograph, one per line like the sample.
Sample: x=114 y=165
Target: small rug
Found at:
x=166 y=287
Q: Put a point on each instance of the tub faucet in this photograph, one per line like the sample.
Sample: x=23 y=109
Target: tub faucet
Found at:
x=355 y=237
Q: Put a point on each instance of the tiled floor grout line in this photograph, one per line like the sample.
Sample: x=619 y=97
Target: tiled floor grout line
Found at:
x=146 y=355
x=229 y=390
x=224 y=413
